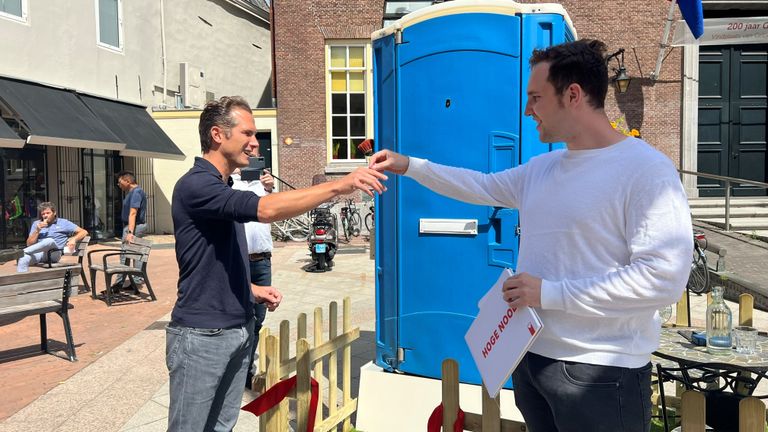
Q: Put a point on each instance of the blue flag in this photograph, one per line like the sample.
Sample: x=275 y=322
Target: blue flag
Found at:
x=693 y=14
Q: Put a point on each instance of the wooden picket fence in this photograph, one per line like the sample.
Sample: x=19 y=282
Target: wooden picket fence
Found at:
x=751 y=413
x=275 y=364
x=752 y=416
x=488 y=421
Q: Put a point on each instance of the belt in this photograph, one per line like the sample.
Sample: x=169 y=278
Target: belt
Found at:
x=259 y=256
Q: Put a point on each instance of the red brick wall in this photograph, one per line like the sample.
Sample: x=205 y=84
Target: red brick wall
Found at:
x=301 y=28
x=651 y=107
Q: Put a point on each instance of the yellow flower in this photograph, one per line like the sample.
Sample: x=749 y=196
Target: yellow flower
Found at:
x=620 y=125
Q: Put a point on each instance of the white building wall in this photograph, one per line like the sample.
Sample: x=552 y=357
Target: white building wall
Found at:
x=58 y=45
x=233 y=51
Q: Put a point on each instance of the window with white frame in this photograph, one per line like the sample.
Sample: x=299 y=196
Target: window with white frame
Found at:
x=110 y=19
x=14 y=9
x=347 y=75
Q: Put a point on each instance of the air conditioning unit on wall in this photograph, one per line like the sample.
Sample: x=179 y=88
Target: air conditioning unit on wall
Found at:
x=192 y=82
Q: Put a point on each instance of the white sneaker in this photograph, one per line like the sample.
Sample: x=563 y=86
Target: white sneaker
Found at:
x=22 y=265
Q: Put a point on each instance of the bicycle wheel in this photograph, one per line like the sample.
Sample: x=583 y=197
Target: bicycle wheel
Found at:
x=698 y=280
x=295 y=230
x=355 y=223
x=345 y=228
x=369 y=221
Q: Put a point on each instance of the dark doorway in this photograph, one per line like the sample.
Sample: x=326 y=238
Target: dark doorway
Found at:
x=733 y=83
x=25 y=186
x=101 y=196
x=265 y=147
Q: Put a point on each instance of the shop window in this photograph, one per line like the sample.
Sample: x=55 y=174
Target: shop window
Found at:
x=14 y=9
x=24 y=188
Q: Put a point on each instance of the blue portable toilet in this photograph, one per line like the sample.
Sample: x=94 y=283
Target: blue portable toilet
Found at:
x=450 y=86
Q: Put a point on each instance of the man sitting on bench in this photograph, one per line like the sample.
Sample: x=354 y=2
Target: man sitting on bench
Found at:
x=49 y=233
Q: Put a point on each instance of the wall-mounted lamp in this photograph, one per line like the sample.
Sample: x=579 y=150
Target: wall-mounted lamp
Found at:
x=621 y=79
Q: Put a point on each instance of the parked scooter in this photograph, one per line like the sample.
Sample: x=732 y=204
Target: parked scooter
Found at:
x=323 y=238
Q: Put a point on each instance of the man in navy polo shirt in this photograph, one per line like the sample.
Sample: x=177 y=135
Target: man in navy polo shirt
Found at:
x=209 y=339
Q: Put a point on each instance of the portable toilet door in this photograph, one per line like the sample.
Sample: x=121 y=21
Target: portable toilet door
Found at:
x=449 y=86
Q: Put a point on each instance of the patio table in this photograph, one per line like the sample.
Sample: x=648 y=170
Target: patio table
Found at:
x=724 y=379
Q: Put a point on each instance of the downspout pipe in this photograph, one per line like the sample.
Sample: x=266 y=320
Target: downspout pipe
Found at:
x=165 y=60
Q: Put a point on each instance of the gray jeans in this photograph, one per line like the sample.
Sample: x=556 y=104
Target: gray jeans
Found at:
x=207 y=369
x=563 y=396
x=38 y=253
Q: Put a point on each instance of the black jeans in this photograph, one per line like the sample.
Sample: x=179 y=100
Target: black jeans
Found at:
x=563 y=396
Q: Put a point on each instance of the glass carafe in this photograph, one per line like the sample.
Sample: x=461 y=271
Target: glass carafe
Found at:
x=719 y=320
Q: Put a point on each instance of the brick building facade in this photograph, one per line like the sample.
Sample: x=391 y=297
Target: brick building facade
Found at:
x=303 y=29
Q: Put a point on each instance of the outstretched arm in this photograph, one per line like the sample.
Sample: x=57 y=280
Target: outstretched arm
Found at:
x=283 y=205
x=498 y=189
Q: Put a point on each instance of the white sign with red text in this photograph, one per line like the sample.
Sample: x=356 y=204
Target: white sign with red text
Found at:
x=724 y=31
x=500 y=336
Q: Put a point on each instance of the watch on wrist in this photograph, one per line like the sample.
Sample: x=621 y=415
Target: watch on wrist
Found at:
x=128 y=232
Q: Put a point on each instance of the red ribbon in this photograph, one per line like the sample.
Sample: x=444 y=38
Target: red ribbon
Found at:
x=277 y=393
x=435 y=421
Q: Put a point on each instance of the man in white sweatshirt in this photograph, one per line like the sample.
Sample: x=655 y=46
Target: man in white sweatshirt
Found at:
x=606 y=241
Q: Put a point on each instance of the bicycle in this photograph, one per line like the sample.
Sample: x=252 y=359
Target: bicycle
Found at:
x=295 y=228
x=698 y=280
x=350 y=219
x=370 y=219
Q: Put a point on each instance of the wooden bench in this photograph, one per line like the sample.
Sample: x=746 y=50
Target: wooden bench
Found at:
x=137 y=251
x=69 y=260
x=38 y=293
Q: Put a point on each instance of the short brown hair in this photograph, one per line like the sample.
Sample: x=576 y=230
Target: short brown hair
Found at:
x=46 y=205
x=219 y=113
x=581 y=62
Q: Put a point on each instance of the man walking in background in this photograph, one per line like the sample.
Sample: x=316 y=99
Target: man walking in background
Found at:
x=134 y=214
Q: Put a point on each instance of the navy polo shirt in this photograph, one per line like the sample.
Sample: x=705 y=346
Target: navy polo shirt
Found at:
x=214 y=274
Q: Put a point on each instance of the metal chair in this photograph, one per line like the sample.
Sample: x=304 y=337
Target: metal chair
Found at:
x=137 y=254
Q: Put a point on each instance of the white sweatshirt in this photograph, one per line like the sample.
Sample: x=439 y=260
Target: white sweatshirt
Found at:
x=607 y=230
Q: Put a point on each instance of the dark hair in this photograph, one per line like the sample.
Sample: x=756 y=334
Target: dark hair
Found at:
x=128 y=175
x=46 y=205
x=218 y=113
x=581 y=62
